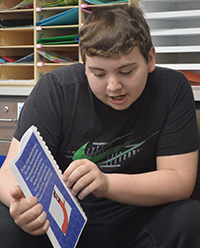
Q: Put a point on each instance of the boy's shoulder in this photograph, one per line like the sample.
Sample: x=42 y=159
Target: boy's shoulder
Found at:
x=163 y=71
x=72 y=68
x=168 y=77
x=69 y=74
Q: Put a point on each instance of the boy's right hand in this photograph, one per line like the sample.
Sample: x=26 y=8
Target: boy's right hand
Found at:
x=27 y=213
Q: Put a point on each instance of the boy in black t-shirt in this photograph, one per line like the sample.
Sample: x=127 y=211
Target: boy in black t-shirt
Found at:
x=133 y=170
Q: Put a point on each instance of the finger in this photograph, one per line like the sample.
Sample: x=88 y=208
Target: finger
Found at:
x=21 y=205
x=32 y=214
x=90 y=188
x=42 y=230
x=75 y=164
x=37 y=223
x=16 y=192
x=82 y=183
x=77 y=174
x=33 y=221
x=98 y=186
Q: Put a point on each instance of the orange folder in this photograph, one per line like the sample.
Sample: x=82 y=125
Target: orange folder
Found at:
x=194 y=78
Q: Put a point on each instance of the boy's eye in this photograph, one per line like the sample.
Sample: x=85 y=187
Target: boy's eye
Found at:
x=99 y=74
x=125 y=72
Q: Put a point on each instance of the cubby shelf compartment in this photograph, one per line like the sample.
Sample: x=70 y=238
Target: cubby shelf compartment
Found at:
x=16 y=40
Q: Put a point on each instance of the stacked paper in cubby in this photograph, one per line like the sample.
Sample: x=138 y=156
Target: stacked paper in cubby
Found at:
x=60 y=3
x=59 y=56
x=17 y=59
x=17 y=4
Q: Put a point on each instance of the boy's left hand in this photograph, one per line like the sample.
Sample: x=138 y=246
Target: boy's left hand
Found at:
x=84 y=177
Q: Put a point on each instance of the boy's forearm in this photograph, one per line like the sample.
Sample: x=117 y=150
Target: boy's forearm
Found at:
x=7 y=181
x=148 y=189
x=173 y=180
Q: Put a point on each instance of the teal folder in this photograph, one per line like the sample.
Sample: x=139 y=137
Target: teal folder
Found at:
x=65 y=18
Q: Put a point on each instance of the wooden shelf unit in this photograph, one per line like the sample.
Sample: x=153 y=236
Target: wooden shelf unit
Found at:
x=16 y=40
x=43 y=65
x=19 y=35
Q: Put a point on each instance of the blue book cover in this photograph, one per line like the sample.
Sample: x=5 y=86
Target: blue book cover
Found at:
x=38 y=175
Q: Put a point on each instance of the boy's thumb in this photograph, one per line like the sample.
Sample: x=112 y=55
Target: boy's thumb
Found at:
x=16 y=192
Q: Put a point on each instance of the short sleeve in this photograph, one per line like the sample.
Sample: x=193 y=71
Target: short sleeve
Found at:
x=179 y=133
x=43 y=108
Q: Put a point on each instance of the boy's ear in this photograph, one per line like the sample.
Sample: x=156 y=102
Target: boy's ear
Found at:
x=152 y=60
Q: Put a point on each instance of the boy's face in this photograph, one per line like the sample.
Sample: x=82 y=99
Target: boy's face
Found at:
x=118 y=82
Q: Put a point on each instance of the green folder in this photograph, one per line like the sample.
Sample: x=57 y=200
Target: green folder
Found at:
x=67 y=39
x=59 y=42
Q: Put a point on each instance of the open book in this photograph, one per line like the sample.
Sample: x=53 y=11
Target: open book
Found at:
x=38 y=175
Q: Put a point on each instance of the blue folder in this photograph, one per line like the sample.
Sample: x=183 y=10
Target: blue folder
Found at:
x=65 y=18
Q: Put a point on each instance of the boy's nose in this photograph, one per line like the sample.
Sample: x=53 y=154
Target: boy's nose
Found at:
x=114 y=84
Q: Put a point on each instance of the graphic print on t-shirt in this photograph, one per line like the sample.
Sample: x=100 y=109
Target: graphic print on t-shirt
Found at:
x=111 y=154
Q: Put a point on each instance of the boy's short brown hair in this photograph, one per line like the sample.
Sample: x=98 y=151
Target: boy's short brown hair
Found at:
x=113 y=30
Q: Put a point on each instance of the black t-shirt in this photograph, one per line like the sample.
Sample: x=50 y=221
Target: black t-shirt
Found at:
x=75 y=124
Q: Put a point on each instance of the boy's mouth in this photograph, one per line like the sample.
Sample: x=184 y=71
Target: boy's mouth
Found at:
x=120 y=97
